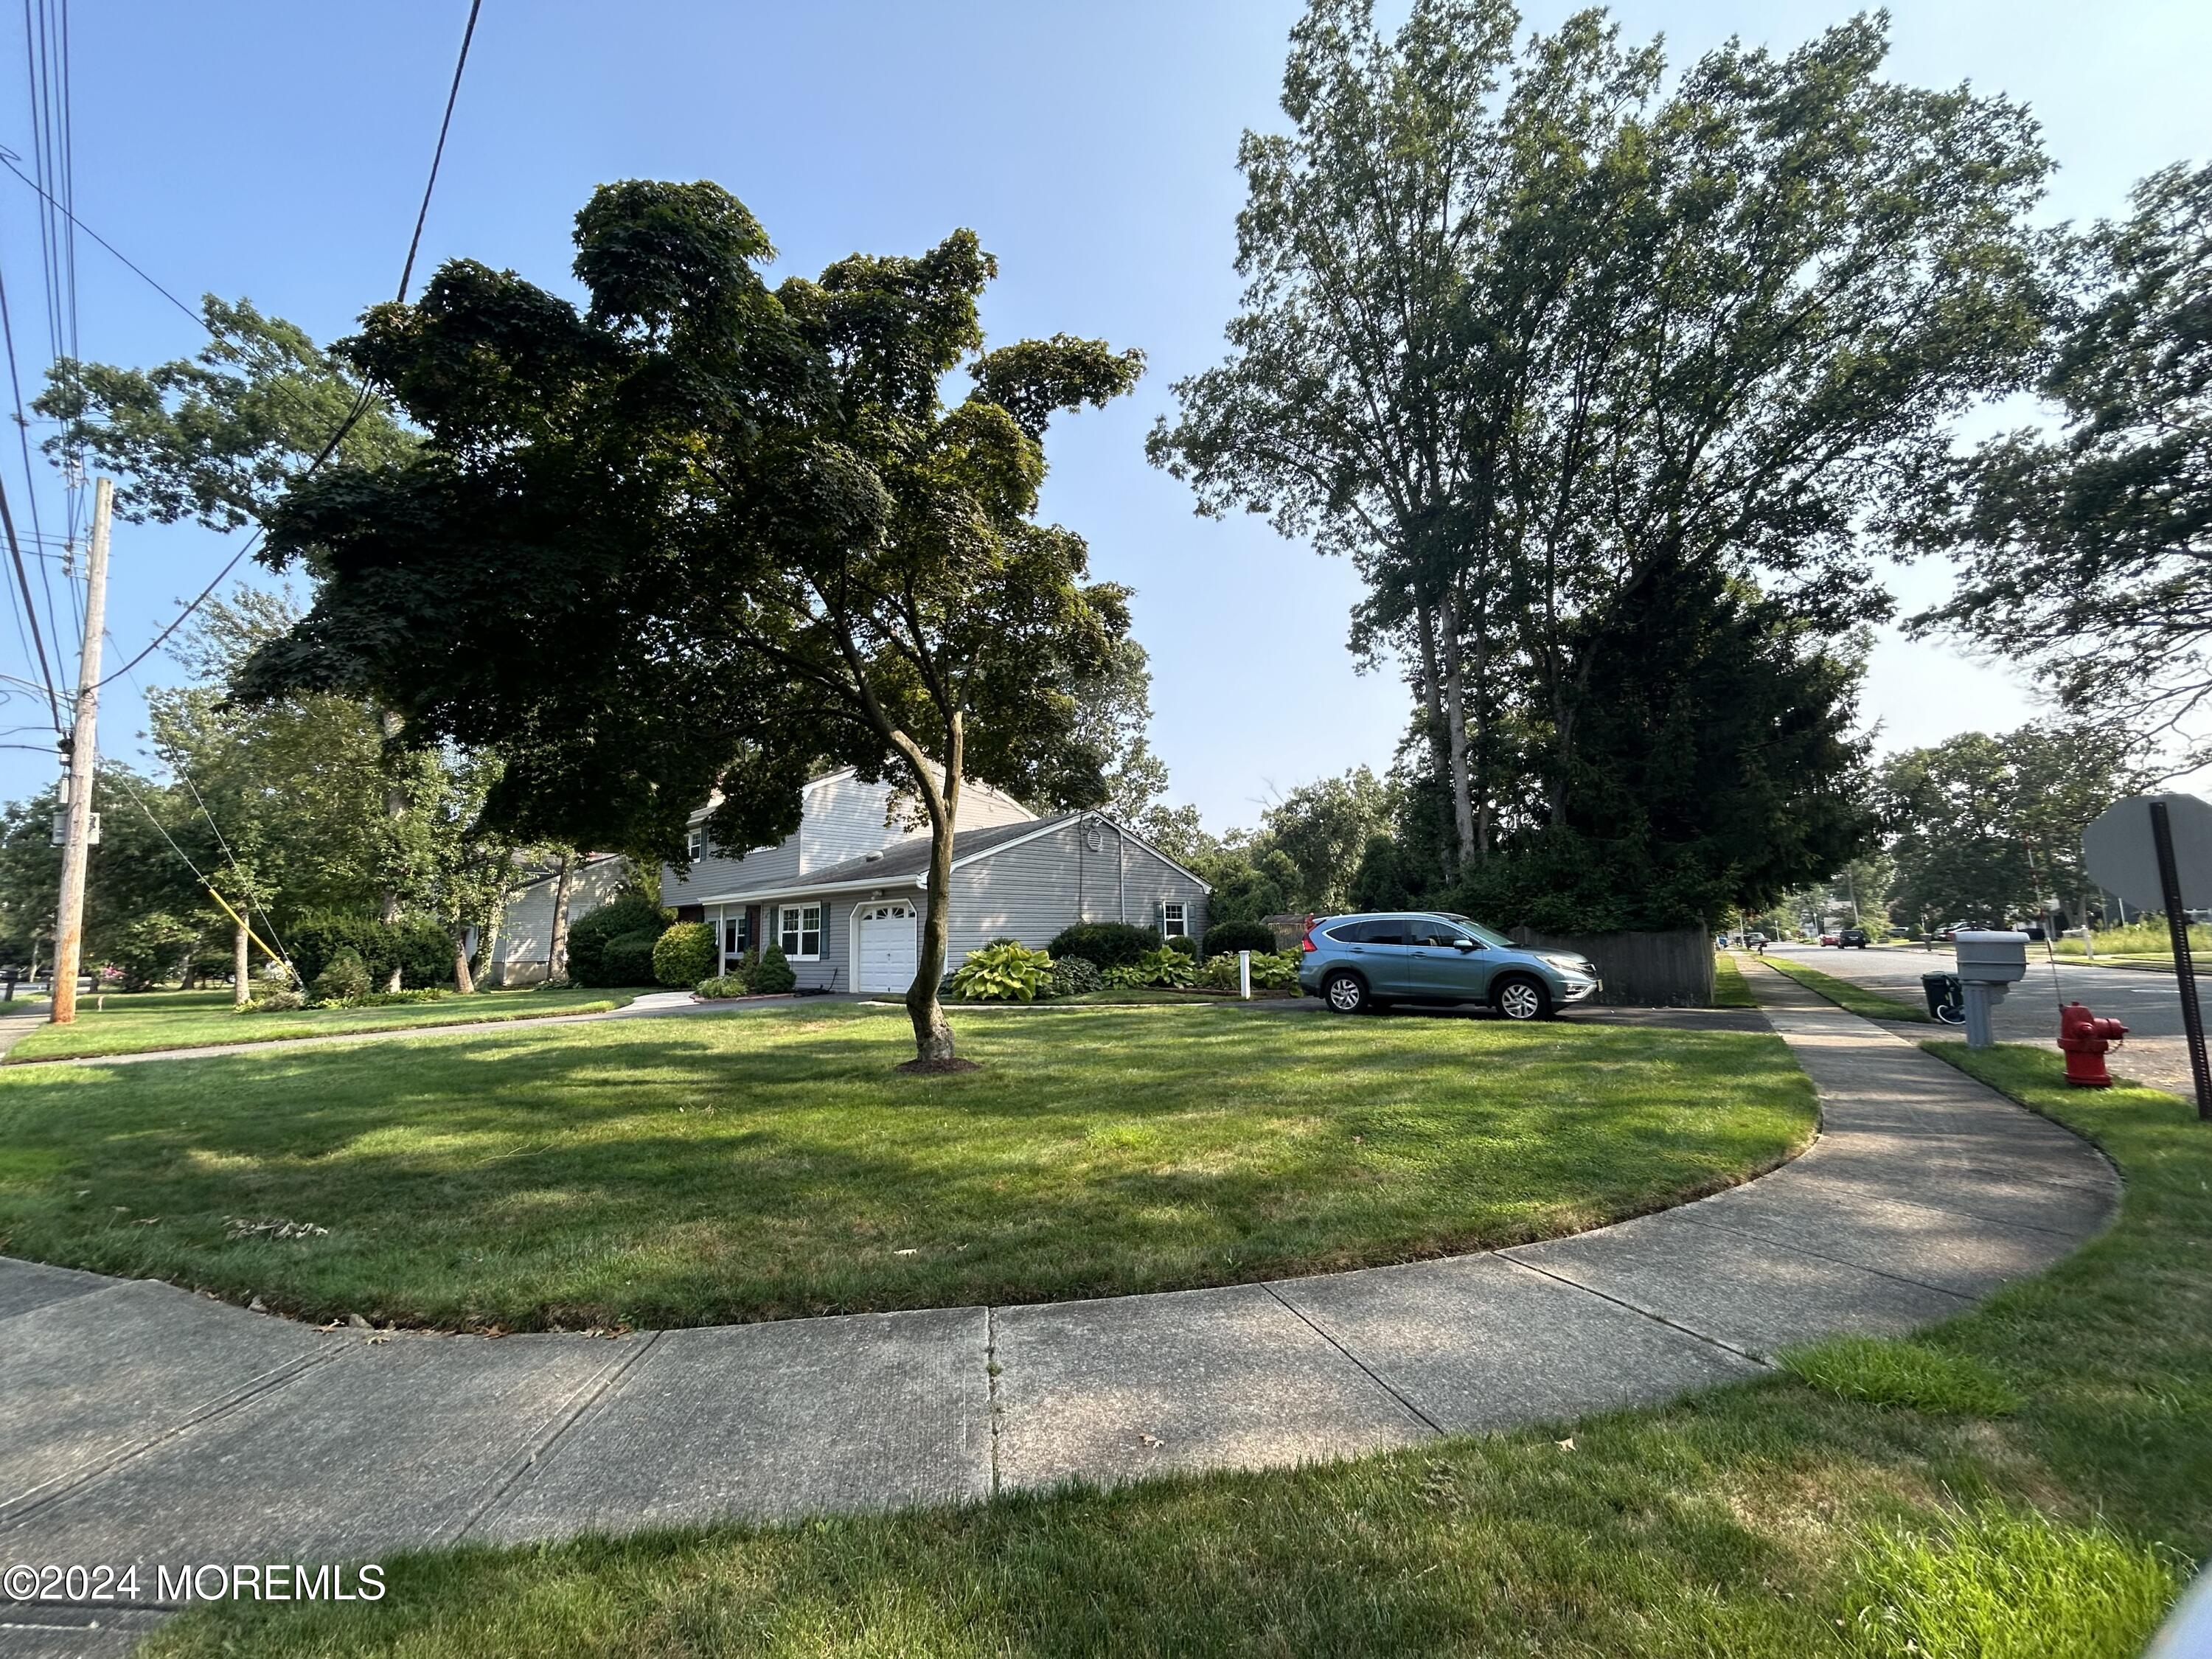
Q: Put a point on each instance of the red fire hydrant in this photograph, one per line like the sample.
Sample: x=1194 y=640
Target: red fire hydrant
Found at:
x=2084 y=1038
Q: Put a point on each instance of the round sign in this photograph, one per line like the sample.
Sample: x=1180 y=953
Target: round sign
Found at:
x=2122 y=857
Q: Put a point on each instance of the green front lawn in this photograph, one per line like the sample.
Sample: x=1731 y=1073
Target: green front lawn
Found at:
x=772 y=1163
x=116 y=1023
x=1846 y=994
x=2028 y=1482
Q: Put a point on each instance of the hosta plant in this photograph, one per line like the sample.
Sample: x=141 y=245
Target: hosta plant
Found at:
x=1004 y=972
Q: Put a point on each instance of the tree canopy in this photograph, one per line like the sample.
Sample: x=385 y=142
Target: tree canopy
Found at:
x=705 y=535
x=2086 y=551
x=1545 y=343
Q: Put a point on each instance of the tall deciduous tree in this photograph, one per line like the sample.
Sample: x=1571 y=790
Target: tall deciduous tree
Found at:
x=1342 y=410
x=709 y=534
x=2089 y=552
x=1989 y=828
x=1530 y=336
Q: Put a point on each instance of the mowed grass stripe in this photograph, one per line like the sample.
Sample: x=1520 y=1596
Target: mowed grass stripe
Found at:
x=769 y=1165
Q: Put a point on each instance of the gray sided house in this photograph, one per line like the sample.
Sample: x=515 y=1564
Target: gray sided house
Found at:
x=522 y=946
x=853 y=922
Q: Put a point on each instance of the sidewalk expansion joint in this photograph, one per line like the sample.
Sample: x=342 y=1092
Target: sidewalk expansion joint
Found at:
x=1792 y=1245
x=587 y=1396
x=1372 y=1375
x=15 y=1511
x=1692 y=1331
x=991 y=1385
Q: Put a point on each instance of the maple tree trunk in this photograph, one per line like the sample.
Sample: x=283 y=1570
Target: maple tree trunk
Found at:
x=556 y=952
x=241 y=967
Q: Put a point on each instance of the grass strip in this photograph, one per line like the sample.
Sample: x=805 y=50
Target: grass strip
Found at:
x=142 y=1023
x=1768 y=1521
x=1846 y=994
x=1730 y=989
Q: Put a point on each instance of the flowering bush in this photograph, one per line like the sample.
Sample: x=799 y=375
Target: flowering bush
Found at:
x=1004 y=972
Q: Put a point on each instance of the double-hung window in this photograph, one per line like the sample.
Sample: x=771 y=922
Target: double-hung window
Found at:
x=1175 y=921
x=800 y=931
x=737 y=934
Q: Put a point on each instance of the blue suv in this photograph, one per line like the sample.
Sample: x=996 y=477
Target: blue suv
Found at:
x=1358 y=963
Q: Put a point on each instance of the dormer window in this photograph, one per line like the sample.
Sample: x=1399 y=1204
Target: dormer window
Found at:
x=694 y=842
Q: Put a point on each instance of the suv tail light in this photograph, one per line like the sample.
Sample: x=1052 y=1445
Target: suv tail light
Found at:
x=1307 y=944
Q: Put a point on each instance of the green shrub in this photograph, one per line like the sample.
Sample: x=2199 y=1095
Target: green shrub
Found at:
x=274 y=1002
x=395 y=999
x=419 y=946
x=720 y=988
x=684 y=954
x=1184 y=945
x=590 y=936
x=627 y=959
x=151 y=950
x=1074 y=976
x=772 y=976
x=1277 y=971
x=1884 y=1372
x=1228 y=937
x=1106 y=944
x=344 y=979
x=1007 y=971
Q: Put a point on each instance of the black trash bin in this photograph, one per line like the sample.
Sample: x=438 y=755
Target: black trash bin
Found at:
x=1946 y=1000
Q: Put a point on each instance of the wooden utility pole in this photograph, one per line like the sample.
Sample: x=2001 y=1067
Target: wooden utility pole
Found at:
x=84 y=756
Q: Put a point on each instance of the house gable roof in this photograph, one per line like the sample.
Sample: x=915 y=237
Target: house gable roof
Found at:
x=907 y=861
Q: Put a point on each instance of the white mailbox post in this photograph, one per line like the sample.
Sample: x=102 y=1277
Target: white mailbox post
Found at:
x=1989 y=965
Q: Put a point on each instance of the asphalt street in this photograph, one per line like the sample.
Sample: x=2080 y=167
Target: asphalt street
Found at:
x=2148 y=1004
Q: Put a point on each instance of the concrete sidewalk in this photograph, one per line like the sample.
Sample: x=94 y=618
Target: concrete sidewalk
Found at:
x=141 y=1423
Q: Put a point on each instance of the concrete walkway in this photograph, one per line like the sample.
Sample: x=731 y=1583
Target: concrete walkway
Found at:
x=142 y=1424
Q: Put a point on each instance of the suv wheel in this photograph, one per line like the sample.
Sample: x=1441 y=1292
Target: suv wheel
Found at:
x=1346 y=995
x=1519 y=997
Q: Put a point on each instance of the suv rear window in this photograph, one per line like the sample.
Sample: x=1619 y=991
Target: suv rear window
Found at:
x=1388 y=932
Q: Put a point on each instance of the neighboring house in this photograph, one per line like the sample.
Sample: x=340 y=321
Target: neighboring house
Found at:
x=523 y=944
x=842 y=895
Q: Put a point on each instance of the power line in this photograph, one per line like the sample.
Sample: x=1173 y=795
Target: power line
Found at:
x=30 y=477
x=8 y=158
x=452 y=94
x=30 y=614
x=360 y=404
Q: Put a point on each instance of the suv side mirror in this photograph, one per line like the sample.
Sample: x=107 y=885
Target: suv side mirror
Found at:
x=1464 y=946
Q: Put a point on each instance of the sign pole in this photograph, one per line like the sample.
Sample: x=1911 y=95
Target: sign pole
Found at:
x=2176 y=925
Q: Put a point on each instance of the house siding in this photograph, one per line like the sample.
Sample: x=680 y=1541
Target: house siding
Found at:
x=523 y=944
x=1031 y=891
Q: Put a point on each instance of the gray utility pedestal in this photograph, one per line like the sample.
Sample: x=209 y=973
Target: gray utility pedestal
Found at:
x=1989 y=965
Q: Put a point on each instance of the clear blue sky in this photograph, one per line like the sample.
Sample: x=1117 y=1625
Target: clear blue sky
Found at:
x=278 y=151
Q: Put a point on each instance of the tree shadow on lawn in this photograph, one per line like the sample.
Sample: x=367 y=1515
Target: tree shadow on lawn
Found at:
x=618 y=1175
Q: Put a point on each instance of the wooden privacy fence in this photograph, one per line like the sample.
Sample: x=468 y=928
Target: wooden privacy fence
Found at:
x=1673 y=970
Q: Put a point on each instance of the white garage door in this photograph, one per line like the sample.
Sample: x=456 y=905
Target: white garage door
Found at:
x=889 y=947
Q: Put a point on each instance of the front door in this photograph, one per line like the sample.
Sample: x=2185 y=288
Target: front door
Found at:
x=889 y=946
x=1440 y=966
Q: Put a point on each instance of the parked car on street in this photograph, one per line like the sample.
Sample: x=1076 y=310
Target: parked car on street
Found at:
x=1853 y=939
x=1370 y=961
x=1827 y=939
